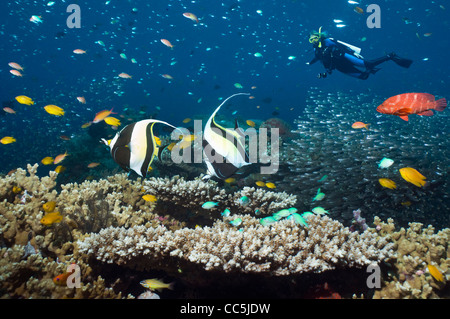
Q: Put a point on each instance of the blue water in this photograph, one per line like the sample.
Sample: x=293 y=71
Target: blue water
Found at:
x=210 y=58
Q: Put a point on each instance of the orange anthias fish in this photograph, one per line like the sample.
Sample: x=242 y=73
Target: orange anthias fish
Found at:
x=81 y=99
x=15 y=72
x=100 y=116
x=15 y=65
x=360 y=125
x=167 y=76
x=9 y=110
x=191 y=16
x=125 y=76
x=93 y=164
x=79 y=51
x=60 y=158
x=167 y=43
x=405 y=104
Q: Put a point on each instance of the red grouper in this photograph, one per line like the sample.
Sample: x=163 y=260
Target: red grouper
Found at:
x=405 y=104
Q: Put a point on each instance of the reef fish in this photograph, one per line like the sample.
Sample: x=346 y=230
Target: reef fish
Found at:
x=209 y=205
x=385 y=162
x=435 y=273
x=360 y=125
x=388 y=183
x=7 y=140
x=412 y=176
x=406 y=104
x=319 y=210
x=22 y=99
x=51 y=218
x=54 y=110
x=149 y=198
x=223 y=149
x=319 y=195
x=135 y=147
x=47 y=160
x=156 y=284
x=58 y=159
x=100 y=116
x=191 y=16
x=15 y=65
x=49 y=206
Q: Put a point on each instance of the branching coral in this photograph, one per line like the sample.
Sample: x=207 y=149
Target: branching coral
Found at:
x=281 y=249
x=178 y=192
x=416 y=247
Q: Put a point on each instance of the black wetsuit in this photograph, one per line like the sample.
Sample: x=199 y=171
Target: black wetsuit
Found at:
x=335 y=55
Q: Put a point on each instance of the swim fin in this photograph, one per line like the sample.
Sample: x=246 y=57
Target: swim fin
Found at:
x=405 y=63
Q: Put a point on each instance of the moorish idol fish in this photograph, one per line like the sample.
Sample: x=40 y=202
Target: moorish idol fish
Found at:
x=223 y=150
x=134 y=147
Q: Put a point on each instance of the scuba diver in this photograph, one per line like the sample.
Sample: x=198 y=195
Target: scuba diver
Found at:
x=346 y=58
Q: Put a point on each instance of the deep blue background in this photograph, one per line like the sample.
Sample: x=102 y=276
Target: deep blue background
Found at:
x=233 y=30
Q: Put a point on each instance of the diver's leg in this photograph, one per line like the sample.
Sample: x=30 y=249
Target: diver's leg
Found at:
x=373 y=63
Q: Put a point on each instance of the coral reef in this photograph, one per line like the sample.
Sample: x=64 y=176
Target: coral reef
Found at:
x=179 y=193
x=117 y=239
x=416 y=247
x=281 y=249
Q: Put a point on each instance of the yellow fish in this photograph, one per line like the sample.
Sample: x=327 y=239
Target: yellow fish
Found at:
x=157 y=140
x=60 y=169
x=7 y=140
x=51 y=218
x=112 y=121
x=250 y=123
x=53 y=109
x=270 y=185
x=435 y=273
x=85 y=125
x=260 y=183
x=47 y=160
x=388 y=183
x=412 y=176
x=149 y=198
x=16 y=189
x=49 y=206
x=230 y=180
x=22 y=99
x=186 y=120
x=157 y=284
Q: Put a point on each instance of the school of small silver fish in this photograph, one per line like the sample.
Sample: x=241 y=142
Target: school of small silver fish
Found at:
x=327 y=153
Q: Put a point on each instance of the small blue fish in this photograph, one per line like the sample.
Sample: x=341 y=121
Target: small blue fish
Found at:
x=324 y=178
x=281 y=214
x=319 y=195
x=209 y=205
x=266 y=221
x=298 y=219
x=293 y=210
x=244 y=200
x=226 y=213
x=236 y=222
x=307 y=214
x=319 y=210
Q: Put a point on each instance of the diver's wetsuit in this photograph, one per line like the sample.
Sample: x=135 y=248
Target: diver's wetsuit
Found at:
x=335 y=55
